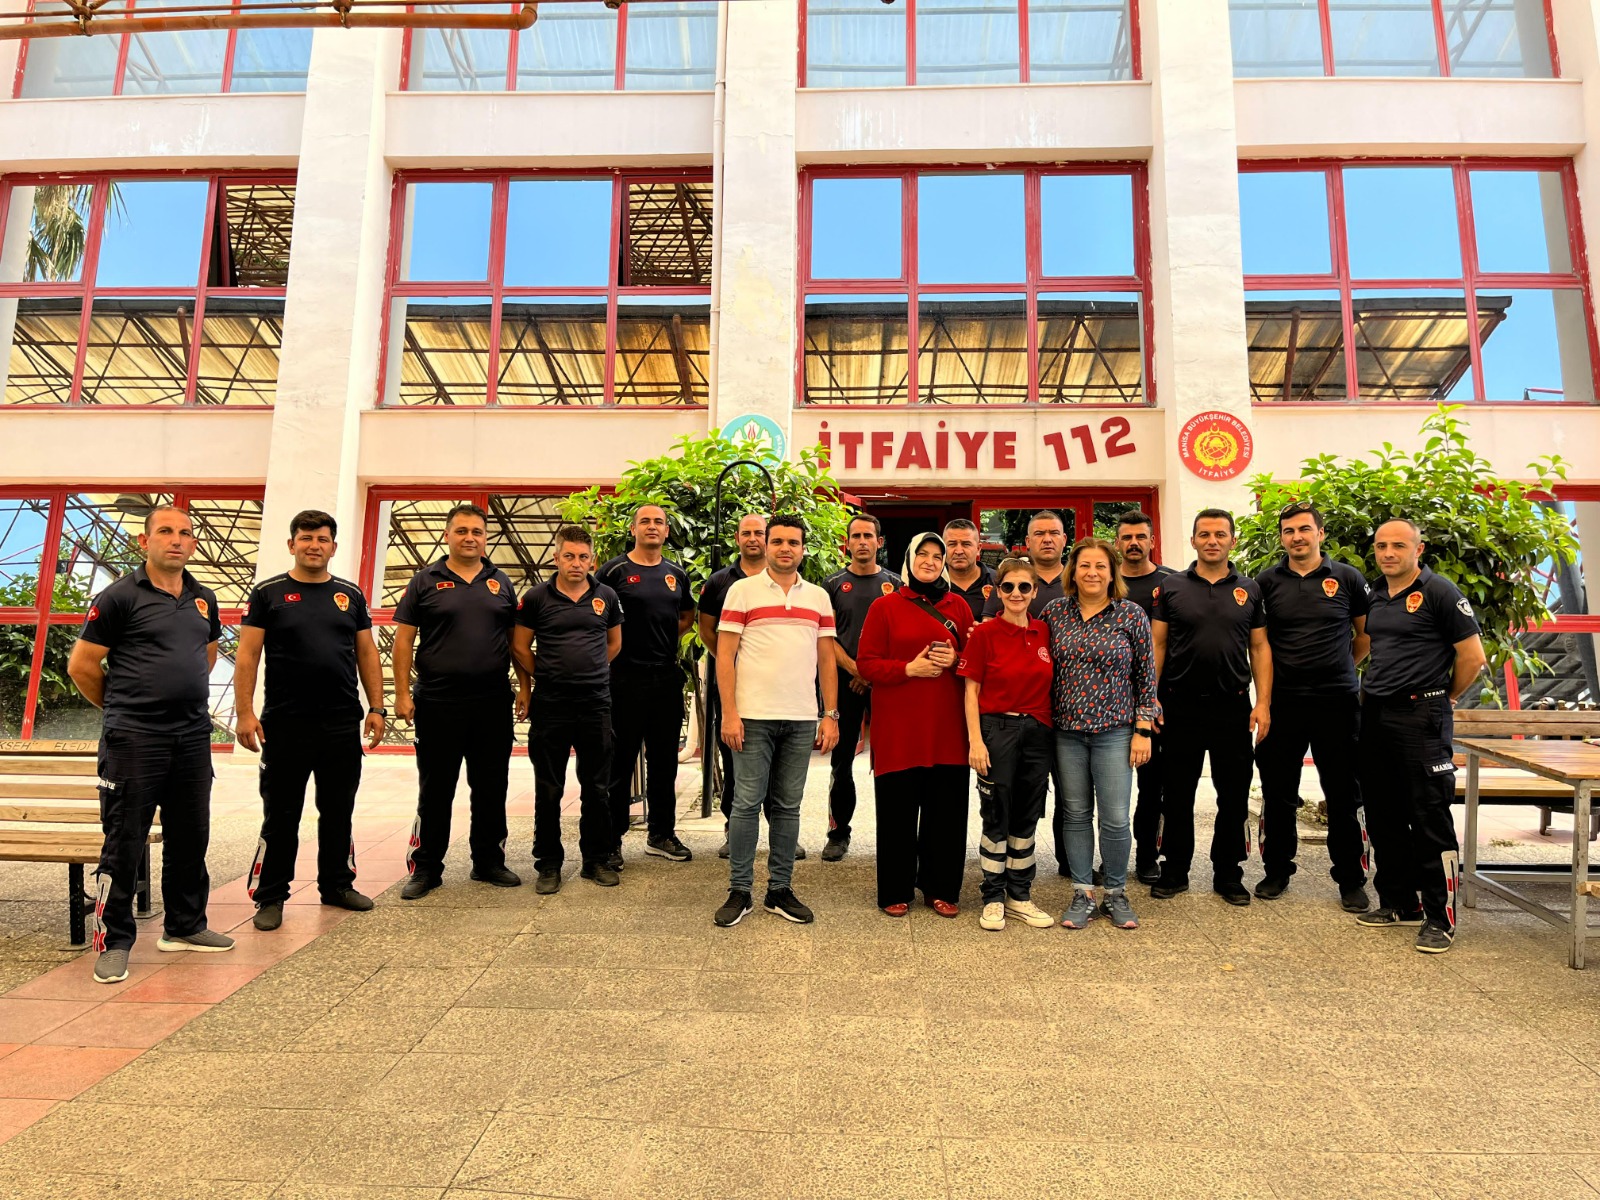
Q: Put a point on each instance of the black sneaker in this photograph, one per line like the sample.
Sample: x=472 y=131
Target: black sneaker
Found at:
x=668 y=847
x=418 y=886
x=1233 y=893
x=614 y=860
x=1434 y=938
x=1148 y=874
x=736 y=909
x=348 y=898
x=786 y=904
x=725 y=849
x=548 y=883
x=268 y=917
x=1168 y=888
x=1354 y=899
x=1270 y=888
x=1388 y=918
x=836 y=849
x=600 y=873
x=501 y=876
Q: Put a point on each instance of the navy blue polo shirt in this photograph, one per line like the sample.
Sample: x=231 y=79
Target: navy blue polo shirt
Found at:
x=1142 y=589
x=1208 y=632
x=852 y=595
x=569 y=662
x=654 y=599
x=1308 y=626
x=978 y=594
x=1414 y=635
x=463 y=629
x=310 y=646
x=157 y=676
x=1043 y=593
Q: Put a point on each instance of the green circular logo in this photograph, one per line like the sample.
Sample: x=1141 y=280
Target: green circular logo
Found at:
x=766 y=434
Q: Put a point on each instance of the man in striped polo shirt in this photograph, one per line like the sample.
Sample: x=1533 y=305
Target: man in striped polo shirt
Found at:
x=767 y=677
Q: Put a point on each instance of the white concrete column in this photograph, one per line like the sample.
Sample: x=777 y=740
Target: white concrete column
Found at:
x=759 y=218
x=1197 y=272
x=329 y=362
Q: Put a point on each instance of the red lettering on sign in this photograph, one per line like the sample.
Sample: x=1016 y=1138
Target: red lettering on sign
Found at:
x=850 y=441
x=970 y=444
x=941 y=449
x=882 y=447
x=1005 y=451
x=1117 y=431
x=913 y=453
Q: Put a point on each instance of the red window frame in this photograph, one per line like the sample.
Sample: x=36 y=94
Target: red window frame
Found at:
x=85 y=289
x=1471 y=279
x=496 y=288
x=1134 y=54
x=1035 y=282
x=1441 y=39
x=124 y=40
x=49 y=561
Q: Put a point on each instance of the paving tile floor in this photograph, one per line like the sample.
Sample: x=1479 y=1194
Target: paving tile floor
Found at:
x=612 y=1043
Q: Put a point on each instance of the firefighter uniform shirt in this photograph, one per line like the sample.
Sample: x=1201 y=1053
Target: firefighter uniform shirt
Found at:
x=1414 y=635
x=310 y=645
x=653 y=599
x=464 y=631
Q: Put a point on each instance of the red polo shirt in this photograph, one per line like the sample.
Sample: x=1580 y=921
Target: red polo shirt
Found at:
x=1012 y=666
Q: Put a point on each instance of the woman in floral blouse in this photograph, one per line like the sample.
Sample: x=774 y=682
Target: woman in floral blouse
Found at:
x=1103 y=699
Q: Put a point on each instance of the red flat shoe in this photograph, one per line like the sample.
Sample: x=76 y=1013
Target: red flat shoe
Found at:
x=896 y=910
x=944 y=908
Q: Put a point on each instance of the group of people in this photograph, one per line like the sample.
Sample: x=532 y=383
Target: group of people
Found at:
x=1081 y=668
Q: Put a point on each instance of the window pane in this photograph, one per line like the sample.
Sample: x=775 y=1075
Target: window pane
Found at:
x=571 y=47
x=447 y=231
x=1536 y=346
x=970 y=229
x=153 y=234
x=271 y=60
x=855 y=43
x=222 y=712
x=22 y=525
x=1275 y=38
x=1504 y=38
x=855 y=228
x=239 y=342
x=458 y=60
x=189 y=62
x=1091 y=349
x=411 y=535
x=1520 y=218
x=553 y=351
x=71 y=66
x=16 y=673
x=972 y=349
x=522 y=533
x=1283 y=218
x=663 y=351
x=1383 y=37
x=100 y=543
x=56 y=219
x=1296 y=342
x=558 y=233
x=672 y=46
x=855 y=350
x=44 y=348
x=1414 y=347
x=444 y=350
x=1087 y=224
x=669 y=235
x=258 y=225
x=1008 y=528
x=62 y=712
x=1071 y=41
x=138 y=350
x=229 y=534
x=968 y=41
x=1402 y=223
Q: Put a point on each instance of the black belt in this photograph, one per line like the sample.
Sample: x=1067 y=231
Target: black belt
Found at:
x=1404 y=698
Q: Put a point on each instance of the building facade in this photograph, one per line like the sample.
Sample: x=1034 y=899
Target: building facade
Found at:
x=994 y=254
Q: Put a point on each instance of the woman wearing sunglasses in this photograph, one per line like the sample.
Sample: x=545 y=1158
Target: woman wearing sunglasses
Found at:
x=1104 y=699
x=1008 y=672
x=910 y=644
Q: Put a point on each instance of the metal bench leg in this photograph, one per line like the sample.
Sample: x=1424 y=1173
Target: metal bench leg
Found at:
x=76 y=907
x=1544 y=821
x=141 y=897
x=1582 y=802
x=1469 y=895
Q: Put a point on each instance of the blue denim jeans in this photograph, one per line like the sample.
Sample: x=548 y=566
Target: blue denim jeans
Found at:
x=1094 y=771
x=779 y=751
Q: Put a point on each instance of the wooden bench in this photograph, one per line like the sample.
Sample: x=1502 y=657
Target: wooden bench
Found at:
x=1511 y=786
x=50 y=812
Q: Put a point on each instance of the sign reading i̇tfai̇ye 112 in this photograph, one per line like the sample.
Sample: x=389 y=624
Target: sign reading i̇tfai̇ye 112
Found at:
x=970 y=449
x=1215 y=445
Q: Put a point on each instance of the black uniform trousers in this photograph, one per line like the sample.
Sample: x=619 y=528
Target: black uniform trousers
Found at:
x=556 y=728
x=1329 y=727
x=1011 y=798
x=1408 y=783
x=853 y=709
x=1194 y=727
x=922 y=833
x=293 y=752
x=478 y=731
x=1147 y=809
x=646 y=710
x=140 y=772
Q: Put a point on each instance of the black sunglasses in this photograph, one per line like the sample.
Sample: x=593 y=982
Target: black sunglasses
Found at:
x=1024 y=587
x=1295 y=509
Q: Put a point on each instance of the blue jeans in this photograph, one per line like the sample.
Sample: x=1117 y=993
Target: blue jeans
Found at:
x=1094 y=770
x=779 y=751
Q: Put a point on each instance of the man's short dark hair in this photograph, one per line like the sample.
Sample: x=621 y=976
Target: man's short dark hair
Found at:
x=788 y=521
x=470 y=509
x=1047 y=514
x=150 y=517
x=1212 y=514
x=1135 y=516
x=574 y=533
x=311 y=520
x=960 y=523
x=1301 y=508
x=877 y=525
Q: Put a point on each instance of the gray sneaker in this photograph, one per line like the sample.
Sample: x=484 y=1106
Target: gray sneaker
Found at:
x=1434 y=938
x=111 y=966
x=1080 y=912
x=207 y=941
x=1115 y=907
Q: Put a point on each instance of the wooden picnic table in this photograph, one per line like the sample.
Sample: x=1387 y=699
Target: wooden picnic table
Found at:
x=1573 y=763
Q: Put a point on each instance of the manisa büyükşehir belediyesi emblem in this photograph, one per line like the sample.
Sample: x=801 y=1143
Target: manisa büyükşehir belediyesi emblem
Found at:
x=1413 y=602
x=599 y=606
x=1240 y=596
x=1330 y=588
x=341 y=601
x=1215 y=445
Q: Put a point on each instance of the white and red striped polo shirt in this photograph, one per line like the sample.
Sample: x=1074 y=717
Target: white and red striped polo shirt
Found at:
x=776 y=676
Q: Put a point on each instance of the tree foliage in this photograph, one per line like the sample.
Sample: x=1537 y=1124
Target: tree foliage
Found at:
x=1492 y=537
x=16 y=649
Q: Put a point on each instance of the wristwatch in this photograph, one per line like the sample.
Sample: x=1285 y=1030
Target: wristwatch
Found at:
x=831 y=714
x=378 y=712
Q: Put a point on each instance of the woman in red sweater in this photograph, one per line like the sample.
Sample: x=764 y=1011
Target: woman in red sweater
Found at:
x=910 y=644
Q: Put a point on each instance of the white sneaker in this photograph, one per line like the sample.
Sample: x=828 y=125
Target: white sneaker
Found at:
x=1029 y=913
x=993 y=916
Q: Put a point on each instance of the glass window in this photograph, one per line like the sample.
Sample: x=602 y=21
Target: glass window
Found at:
x=855 y=43
x=410 y=536
x=444 y=349
x=1071 y=41
x=447 y=231
x=553 y=351
x=571 y=47
x=972 y=348
x=1276 y=37
x=71 y=66
x=228 y=533
x=1520 y=219
x=240 y=338
x=1091 y=348
x=1402 y=222
x=663 y=350
x=22 y=529
x=61 y=710
x=855 y=350
x=57 y=221
x=970 y=229
x=44 y=347
x=1006 y=529
x=258 y=226
x=522 y=532
x=855 y=228
x=152 y=235
x=968 y=41
x=1087 y=224
x=1501 y=38
x=671 y=46
x=667 y=240
x=137 y=351
x=191 y=61
x=1283 y=218
x=271 y=60
x=557 y=233
x=1296 y=342
x=1415 y=347
x=1535 y=345
x=1383 y=37
x=459 y=60
x=100 y=542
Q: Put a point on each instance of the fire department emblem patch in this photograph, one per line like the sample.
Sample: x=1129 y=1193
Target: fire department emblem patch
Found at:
x=599 y=606
x=1155 y=593
x=1240 y=596
x=202 y=607
x=672 y=583
x=341 y=602
x=1330 y=588
x=988 y=590
x=493 y=585
x=887 y=588
x=1413 y=602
